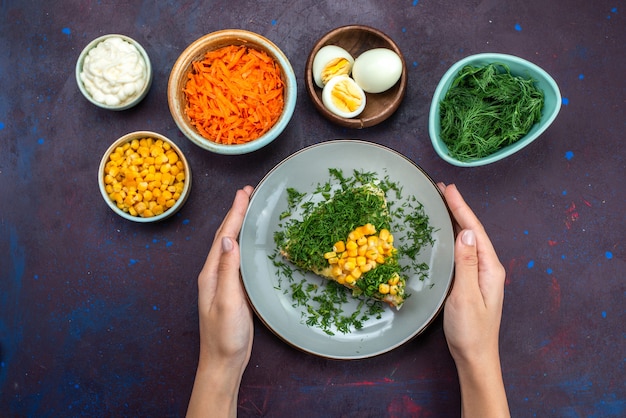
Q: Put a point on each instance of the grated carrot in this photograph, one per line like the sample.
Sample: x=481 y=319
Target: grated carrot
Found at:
x=234 y=94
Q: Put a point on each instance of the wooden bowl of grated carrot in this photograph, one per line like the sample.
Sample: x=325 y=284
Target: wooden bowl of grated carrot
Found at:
x=232 y=91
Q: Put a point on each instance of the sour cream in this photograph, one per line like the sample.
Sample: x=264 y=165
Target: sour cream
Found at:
x=114 y=72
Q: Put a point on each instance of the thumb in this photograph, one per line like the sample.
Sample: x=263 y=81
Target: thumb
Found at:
x=228 y=268
x=466 y=263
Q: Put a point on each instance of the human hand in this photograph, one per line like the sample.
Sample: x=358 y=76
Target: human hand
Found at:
x=226 y=327
x=473 y=311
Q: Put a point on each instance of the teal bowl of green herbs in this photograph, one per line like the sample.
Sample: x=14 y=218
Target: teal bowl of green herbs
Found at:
x=489 y=106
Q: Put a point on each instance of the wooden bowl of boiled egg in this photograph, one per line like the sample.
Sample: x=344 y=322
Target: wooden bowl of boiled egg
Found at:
x=356 y=76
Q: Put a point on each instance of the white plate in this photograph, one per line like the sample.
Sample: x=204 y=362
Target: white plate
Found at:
x=303 y=171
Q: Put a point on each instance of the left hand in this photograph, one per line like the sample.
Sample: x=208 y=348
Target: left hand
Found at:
x=226 y=326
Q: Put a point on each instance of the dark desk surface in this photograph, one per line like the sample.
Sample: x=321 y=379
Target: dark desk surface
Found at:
x=98 y=315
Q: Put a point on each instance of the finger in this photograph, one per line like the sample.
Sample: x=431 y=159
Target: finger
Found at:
x=229 y=286
x=466 y=266
x=462 y=213
x=230 y=227
x=466 y=219
x=492 y=272
x=234 y=218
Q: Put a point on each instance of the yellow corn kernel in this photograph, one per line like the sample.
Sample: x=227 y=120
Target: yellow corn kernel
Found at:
x=384 y=234
x=330 y=254
x=333 y=260
x=369 y=229
x=371 y=254
x=336 y=271
x=172 y=157
x=341 y=279
x=339 y=247
x=351 y=245
x=393 y=290
x=353 y=253
x=356 y=273
x=350 y=279
x=366 y=267
x=383 y=288
x=394 y=279
x=362 y=250
x=140 y=207
x=355 y=235
x=380 y=259
x=360 y=261
x=362 y=241
x=372 y=241
x=350 y=264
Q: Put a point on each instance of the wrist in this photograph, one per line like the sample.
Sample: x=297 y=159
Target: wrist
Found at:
x=482 y=387
x=215 y=391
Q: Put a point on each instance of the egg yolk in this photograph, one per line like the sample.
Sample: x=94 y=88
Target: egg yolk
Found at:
x=337 y=66
x=346 y=97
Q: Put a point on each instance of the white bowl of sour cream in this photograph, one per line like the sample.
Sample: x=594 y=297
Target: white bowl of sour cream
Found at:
x=114 y=72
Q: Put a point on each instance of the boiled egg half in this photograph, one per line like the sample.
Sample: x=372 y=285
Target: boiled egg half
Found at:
x=343 y=96
x=331 y=61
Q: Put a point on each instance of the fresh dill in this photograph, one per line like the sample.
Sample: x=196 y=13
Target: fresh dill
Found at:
x=486 y=109
x=325 y=302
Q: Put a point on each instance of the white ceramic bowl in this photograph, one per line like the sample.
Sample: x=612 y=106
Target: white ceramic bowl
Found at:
x=196 y=51
x=112 y=204
x=129 y=102
x=518 y=67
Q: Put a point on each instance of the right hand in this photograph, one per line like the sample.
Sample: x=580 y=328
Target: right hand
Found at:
x=472 y=313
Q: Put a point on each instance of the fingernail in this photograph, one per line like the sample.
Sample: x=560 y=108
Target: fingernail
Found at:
x=468 y=238
x=227 y=244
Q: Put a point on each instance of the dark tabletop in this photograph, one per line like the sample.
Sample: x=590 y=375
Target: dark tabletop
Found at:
x=98 y=315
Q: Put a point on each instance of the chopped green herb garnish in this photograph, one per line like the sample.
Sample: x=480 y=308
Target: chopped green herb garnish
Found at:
x=486 y=109
x=307 y=238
